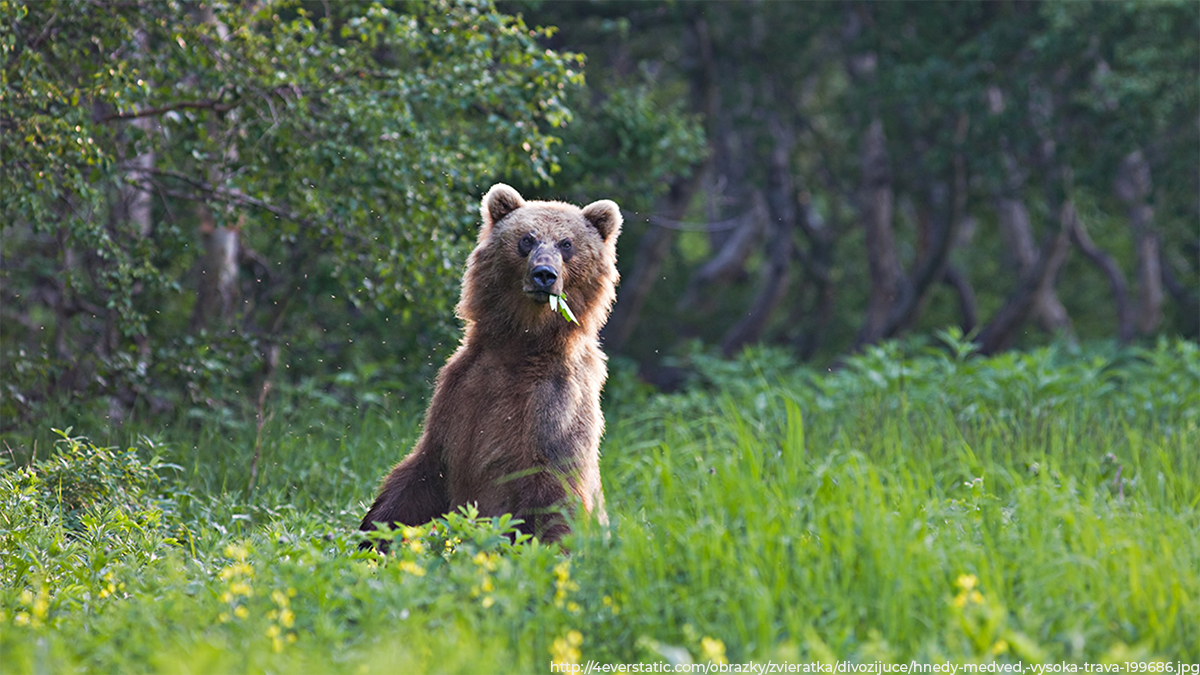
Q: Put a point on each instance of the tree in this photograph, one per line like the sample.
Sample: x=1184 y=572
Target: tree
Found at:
x=320 y=165
x=915 y=141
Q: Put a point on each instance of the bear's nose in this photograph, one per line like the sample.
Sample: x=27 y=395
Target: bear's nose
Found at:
x=544 y=276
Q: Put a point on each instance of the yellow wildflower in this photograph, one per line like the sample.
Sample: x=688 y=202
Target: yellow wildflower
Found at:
x=240 y=569
x=612 y=605
x=241 y=612
x=712 y=650
x=562 y=571
x=39 y=606
x=563 y=584
x=412 y=568
x=566 y=649
x=236 y=552
x=966 y=581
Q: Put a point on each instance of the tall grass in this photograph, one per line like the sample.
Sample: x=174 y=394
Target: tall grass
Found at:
x=931 y=506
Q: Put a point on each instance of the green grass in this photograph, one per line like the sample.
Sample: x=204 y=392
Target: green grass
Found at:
x=1033 y=507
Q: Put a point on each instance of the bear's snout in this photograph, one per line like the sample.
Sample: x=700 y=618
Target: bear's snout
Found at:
x=544 y=277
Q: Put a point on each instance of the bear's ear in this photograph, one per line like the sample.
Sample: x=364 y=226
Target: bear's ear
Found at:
x=499 y=201
x=605 y=216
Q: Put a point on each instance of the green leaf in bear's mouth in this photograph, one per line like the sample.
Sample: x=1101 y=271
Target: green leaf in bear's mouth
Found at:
x=558 y=303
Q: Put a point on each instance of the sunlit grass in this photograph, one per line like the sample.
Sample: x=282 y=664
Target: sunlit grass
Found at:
x=1039 y=507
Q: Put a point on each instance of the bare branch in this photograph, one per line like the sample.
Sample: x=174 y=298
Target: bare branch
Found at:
x=204 y=104
x=967 y=307
x=999 y=332
x=719 y=226
x=1116 y=280
x=730 y=259
x=234 y=196
x=652 y=250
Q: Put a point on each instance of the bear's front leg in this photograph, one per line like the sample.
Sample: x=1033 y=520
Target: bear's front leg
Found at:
x=543 y=501
x=414 y=493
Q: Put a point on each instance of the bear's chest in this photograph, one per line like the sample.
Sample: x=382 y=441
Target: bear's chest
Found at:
x=531 y=412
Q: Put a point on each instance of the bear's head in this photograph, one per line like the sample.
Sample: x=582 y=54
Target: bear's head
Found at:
x=530 y=250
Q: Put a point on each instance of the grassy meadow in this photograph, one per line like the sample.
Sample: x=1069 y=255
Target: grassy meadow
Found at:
x=916 y=504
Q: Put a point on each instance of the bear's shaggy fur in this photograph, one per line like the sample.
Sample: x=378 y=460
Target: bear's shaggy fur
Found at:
x=514 y=425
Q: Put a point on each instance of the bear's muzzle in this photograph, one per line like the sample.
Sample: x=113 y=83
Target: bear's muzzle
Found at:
x=544 y=278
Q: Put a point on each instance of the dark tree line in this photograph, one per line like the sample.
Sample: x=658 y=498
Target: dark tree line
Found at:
x=203 y=200
x=876 y=169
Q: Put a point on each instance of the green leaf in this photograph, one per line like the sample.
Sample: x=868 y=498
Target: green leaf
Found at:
x=558 y=303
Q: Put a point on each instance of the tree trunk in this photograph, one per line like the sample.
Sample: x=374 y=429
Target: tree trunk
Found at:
x=1015 y=227
x=1110 y=269
x=656 y=243
x=967 y=307
x=775 y=278
x=136 y=202
x=999 y=333
x=1132 y=186
x=817 y=263
x=781 y=205
x=1017 y=230
x=217 y=291
x=653 y=249
x=1187 y=301
x=888 y=283
x=942 y=234
x=730 y=260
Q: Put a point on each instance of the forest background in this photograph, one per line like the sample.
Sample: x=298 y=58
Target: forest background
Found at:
x=203 y=203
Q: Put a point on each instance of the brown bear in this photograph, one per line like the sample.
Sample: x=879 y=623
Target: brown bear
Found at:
x=514 y=425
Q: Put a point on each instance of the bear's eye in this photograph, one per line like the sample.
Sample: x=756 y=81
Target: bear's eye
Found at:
x=566 y=248
x=526 y=245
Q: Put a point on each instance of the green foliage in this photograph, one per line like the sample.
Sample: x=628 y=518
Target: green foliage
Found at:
x=78 y=526
x=918 y=503
x=630 y=143
x=81 y=478
x=346 y=150
x=1043 y=102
